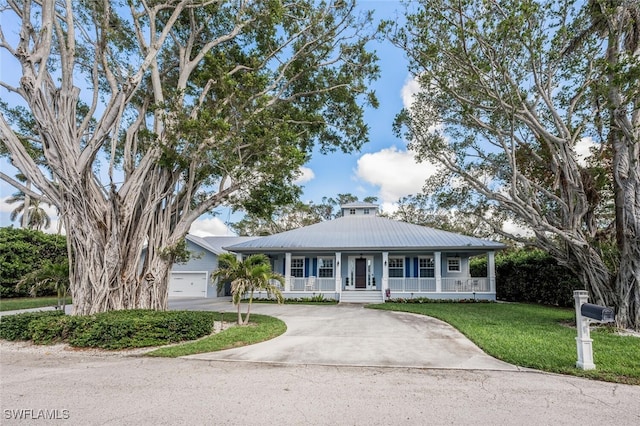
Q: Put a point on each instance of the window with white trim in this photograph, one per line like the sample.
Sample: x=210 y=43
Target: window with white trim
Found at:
x=352 y=211
x=325 y=267
x=297 y=267
x=396 y=267
x=365 y=211
x=427 y=267
x=453 y=264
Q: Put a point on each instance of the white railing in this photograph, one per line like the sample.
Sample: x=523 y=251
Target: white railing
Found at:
x=415 y=285
x=465 y=285
x=313 y=284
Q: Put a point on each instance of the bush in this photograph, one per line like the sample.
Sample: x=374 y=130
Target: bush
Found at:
x=530 y=276
x=109 y=330
x=17 y=327
x=23 y=251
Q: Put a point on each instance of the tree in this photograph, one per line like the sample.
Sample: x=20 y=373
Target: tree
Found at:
x=33 y=216
x=187 y=105
x=507 y=92
x=49 y=275
x=253 y=273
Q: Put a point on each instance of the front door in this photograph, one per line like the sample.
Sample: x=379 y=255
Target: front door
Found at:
x=361 y=273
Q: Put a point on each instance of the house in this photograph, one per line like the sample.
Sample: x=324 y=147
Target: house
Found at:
x=361 y=257
x=192 y=279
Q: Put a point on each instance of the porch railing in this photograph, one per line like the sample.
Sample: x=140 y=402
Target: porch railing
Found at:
x=417 y=285
x=467 y=285
x=313 y=284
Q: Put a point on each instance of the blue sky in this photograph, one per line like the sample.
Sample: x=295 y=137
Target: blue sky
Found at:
x=383 y=168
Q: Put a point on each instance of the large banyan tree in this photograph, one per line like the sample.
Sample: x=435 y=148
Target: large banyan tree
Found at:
x=136 y=117
x=508 y=91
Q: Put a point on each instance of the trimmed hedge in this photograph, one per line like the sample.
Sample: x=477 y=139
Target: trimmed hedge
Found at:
x=109 y=330
x=530 y=276
x=23 y=251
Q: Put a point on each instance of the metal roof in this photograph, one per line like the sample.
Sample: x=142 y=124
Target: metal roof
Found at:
x=215 y=244
x=363 y=233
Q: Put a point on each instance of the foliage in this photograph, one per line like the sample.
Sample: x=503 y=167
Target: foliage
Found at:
x=421 y=300
x=108 y=330
x=23 y=251
x=246 y=276
x=185 y=107
x=508 y=93
x=530 y=276
x=16 y=327
x=537 y=337
x=263 y=328
x=52 y=276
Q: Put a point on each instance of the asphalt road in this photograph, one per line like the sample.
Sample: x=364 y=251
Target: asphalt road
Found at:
x=323 y=371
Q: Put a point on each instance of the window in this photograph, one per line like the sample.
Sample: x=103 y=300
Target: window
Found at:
x=396 y=267
x=297 y=267
x=427 y=267
x=352 y=211
x=325 y=267
x=453 y=264
x=366 y=211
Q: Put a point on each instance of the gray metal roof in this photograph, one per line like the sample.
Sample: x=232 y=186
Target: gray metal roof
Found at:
x=364 y=233
x=215 y=244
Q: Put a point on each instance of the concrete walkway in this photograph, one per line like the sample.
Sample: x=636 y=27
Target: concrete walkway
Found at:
x=351 y=335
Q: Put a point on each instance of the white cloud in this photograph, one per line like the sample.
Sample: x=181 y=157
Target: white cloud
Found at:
x=409 y=89
x=583 y=150
x=209 y=227
x=306 y=175
x=395 y=172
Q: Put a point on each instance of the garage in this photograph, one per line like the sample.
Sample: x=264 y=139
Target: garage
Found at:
x=188 y=284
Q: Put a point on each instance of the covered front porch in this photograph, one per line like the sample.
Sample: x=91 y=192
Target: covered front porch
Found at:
x=375 y=277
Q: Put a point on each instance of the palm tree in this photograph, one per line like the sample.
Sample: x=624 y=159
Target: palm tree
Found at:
x=49 y=275
x=246 y=276
x=33 y=216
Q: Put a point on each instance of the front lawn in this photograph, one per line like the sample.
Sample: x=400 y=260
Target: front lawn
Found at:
x=14 y=304
x=536 y=337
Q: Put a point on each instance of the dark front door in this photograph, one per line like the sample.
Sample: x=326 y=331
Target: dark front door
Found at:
x=361 y=273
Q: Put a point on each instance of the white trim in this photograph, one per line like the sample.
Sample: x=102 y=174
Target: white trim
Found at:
x=455 y=271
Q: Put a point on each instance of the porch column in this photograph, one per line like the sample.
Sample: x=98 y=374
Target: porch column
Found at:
x=438 y=270
x=287 y=271
x=491 y=270
x=338 y=273
x=385 y=272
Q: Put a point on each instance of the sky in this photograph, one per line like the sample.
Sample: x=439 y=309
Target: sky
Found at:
x=383 y=168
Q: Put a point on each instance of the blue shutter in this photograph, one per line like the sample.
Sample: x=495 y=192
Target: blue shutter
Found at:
x=416 y=267
x=407 y=267
x=306 y=267
x=315 y=266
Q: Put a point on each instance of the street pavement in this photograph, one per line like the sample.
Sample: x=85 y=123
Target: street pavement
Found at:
x=334 y=380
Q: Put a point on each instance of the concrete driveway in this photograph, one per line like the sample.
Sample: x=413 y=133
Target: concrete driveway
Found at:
x=351 y=335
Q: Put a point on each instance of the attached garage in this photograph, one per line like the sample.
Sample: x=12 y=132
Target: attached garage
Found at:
x=188 y=284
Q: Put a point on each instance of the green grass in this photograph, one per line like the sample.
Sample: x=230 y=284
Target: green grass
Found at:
x=14 y=304
x=536 y=337
x=260 y=329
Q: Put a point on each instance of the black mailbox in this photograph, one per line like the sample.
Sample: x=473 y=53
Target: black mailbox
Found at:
x=597 y=312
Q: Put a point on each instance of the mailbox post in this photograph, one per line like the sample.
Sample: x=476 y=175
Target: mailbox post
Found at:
x=586 y=312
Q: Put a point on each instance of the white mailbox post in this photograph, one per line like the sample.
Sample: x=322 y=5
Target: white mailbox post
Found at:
x=586 y=312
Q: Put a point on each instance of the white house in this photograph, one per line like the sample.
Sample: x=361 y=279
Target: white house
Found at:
x=362 y=257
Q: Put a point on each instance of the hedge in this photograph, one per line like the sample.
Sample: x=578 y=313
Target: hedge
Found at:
x=530 y=276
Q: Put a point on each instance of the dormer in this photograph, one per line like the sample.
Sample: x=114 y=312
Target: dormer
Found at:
x=359 y=209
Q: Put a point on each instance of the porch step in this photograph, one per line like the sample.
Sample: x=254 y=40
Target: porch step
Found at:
x=361 y=297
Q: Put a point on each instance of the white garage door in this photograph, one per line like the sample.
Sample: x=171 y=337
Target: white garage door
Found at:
x=188 y=284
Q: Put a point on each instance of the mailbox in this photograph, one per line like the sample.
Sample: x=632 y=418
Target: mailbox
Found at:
x=597 y=312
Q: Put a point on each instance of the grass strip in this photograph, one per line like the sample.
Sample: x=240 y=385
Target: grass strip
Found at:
x=15 y=304
x=260 y=329
x=535 y=336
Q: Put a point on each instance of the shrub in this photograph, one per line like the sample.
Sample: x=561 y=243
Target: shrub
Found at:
x=23 y=251
x=17 y=327
x=530 y=276
x=109 y=330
